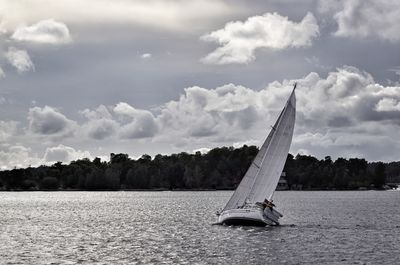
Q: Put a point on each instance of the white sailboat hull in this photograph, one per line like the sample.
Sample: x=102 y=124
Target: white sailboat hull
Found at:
x=254 y=216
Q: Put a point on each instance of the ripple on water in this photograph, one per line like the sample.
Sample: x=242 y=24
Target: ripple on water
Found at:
x=175 y=228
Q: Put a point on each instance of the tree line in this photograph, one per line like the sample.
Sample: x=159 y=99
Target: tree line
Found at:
x=220 y=168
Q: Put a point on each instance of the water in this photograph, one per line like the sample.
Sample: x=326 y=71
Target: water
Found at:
x=330 y=227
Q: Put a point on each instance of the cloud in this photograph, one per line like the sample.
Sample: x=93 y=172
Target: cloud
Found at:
x=100 y=123
x=346 y=97
x=2 y=74
x=48 y=121
x=45 y=31
x=388 y=104
x=345 y=113
x=7 y=129
x=101 y=128
x=395 y=70
x=201 y=112
x=170 y=15
x=20 y=60
x=18 y=156
x=146 y=56
x=239 y=40
x=141 y=123
x=366 y=18
x=100 y=113
x=64 y=154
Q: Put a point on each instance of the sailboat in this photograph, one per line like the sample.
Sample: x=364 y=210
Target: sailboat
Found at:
x=251 y=203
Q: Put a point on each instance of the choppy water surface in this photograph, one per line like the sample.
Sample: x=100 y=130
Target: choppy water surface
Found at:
x=175 y=228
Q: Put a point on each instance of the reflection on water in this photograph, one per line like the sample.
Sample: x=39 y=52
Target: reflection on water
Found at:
x=175 y=228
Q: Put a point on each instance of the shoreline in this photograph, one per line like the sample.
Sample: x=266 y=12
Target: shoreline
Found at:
x=185 y=190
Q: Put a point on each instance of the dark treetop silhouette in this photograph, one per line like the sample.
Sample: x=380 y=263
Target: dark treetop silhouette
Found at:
x=220 y=168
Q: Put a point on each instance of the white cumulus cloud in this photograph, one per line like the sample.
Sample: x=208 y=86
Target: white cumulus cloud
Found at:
x=19 y=59
x=365 y=18
x=18 y=156
x=100 y=124
x=346 y=113
x=45 y=31
x=239 y=40
x=388 y=104
x=65 y=154
x=201 y=112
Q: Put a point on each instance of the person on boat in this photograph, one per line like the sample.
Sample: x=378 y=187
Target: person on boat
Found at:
x=268 y=204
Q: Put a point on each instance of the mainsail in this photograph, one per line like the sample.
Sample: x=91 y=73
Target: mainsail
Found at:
x=262 y=177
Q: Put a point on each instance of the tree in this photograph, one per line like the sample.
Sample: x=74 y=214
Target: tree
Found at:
x=112 y=176
x=49 y=183
x=222 y=168
x=379 y=178
x=118 y=158
x=341 y=175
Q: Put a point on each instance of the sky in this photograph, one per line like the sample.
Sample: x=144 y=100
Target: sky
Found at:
x=89 y=78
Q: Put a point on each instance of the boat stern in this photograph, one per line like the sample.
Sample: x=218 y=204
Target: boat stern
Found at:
x=272 y=215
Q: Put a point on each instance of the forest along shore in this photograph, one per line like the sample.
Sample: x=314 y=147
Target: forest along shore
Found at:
x=219 y=169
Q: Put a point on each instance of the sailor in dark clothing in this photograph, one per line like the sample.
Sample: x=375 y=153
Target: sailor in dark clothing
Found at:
x=268 y=204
